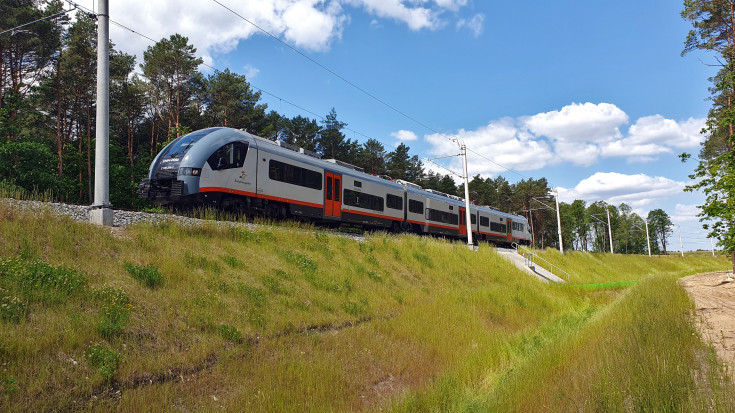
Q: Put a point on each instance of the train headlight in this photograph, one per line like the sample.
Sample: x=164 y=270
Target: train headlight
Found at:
x=190 y=171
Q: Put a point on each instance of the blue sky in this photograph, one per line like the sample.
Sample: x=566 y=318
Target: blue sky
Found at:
x=594 y=96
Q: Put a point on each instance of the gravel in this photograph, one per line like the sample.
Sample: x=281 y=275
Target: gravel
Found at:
x=121 y=218
x=80 y=213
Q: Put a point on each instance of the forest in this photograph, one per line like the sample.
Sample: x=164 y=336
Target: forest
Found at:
x=47 y=129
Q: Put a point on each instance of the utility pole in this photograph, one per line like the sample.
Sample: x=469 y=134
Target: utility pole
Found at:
x=100 y=212
x=648 y=238
x=681 y=243
x=713 y=246
x=558 y=221
x=463 y=152
x=609 y=230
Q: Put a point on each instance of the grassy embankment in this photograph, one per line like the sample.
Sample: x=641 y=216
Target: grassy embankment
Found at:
x=278 y=319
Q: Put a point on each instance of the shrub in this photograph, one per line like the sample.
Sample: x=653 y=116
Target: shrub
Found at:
x=113 y=317
x=354 y=308
x=229 y=333
x=38 y=281
x=11 y=308
x=302 y=261
x=150 y=275
x=105 y=360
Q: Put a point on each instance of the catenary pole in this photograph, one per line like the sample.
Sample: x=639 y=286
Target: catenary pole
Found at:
x=648 y=238
x=681 y=243
x=101 y=212
x=609 y=229
x=558 y=221
x=463 y=151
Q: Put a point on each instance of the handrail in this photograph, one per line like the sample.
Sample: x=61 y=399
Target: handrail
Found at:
x=552 y=266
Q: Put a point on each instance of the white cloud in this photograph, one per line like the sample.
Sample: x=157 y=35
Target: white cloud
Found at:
x=404 y=135
x=453 y=5
x=685 y=213
x=494 y=148
x=312 y=25
x=309 y=27
x=585 y=122
x=578 y=134
x=475 y=24
x=250 y=72
x=627 y=148
x=656 y=128
x=616 y=188
x=416 y=18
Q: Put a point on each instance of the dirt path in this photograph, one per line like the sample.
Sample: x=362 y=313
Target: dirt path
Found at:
x=714 y=297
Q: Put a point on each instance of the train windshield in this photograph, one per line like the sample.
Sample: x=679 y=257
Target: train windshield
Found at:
x=182 y=144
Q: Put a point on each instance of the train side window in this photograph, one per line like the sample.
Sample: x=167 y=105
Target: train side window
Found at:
x=329 y=188
x=442 y=216
x=394 y=202
x=229 y=156
x=363 y=200
x=496 y=227
x=473 y=219
x=292 y=174
x=415 y=207
x=484 y=221
x=337 y=188
x=358 y=184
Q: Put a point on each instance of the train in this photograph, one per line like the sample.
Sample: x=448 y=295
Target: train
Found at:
x=234 y=170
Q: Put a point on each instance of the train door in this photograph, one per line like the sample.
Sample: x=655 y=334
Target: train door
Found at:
x=510 y=230
x=462 y=221
x=332 y=194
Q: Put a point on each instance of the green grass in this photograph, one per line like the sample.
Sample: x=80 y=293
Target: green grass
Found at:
x=291 y=318
x=589 y=268
x=642 y=352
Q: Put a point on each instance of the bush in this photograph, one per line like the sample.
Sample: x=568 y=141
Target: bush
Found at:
x=113 y=317
x=104 y=359
x=229 y=333
x=11 y=308
x=150 y=275
x=38 y=281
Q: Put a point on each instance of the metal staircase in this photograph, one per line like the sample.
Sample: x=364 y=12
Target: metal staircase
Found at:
x=530 y=260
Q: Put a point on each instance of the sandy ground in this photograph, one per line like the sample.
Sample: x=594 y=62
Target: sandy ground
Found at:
x=714 y=297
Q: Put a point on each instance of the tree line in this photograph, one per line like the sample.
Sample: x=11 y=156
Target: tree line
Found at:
x=713 y=30
x=47 y=127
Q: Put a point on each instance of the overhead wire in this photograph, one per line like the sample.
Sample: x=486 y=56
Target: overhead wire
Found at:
x=411 y=118
x=122 y=26
x=53 y=16
x=342 y=78
x=335 y=74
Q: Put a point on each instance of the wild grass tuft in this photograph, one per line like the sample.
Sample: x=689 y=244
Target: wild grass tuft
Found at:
x=104 y=359
x=148 y=275
x=229 y=333
x=356 y=308
x=302 y=261
x=38 y=281
x=12 y=308
x=10 y=190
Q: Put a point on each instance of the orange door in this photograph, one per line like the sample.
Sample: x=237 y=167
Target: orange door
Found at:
x=332 y=191
x=510 y=230
x=462 y=221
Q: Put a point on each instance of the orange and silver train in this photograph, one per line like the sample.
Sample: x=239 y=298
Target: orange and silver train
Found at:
x=234 y=170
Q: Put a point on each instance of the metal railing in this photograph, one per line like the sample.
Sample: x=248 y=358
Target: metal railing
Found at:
x=530 y=257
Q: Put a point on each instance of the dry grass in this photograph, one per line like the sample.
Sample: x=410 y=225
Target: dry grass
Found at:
x=277 y=318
